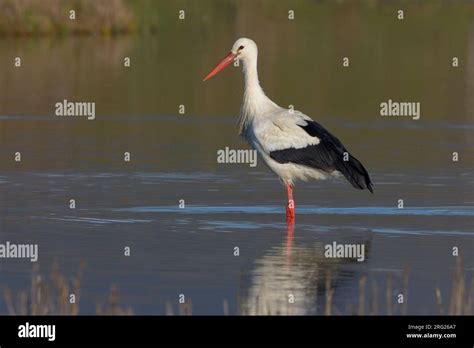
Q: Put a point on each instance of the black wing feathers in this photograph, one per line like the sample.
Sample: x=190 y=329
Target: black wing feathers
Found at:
x=328 y=156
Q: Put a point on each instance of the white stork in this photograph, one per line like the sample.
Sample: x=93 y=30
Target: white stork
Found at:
x=291 y=144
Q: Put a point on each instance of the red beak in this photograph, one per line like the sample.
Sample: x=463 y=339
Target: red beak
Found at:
x=223 y=63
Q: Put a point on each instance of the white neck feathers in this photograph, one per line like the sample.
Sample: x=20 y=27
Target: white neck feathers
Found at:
x=255 y=102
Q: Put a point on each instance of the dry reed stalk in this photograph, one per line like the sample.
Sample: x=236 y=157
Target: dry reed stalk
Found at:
x=362 y=283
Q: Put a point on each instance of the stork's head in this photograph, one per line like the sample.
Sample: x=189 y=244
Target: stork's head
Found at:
x=243 y=49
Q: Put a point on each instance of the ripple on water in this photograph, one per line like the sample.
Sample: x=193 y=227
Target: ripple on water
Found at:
x=98 y=221
x=306 y=209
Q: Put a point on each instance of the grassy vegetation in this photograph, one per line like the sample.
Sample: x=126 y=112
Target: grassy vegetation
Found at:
x=37 y=17
x=103 y=17
x=109 y=17
x=51 y=297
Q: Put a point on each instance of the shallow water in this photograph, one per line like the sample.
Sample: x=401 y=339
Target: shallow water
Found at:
x=190 y=250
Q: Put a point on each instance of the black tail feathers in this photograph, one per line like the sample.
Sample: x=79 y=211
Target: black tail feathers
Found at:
x=356 y=174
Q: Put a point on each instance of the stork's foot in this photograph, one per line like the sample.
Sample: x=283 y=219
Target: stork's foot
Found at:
x=290 y=210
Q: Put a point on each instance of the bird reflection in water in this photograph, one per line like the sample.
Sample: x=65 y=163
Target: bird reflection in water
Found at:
x=290 y=233
x=293 y=278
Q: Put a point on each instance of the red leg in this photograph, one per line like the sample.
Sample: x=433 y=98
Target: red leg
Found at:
x=290 y=208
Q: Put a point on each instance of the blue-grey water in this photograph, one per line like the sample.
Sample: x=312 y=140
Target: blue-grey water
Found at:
x=190 y=250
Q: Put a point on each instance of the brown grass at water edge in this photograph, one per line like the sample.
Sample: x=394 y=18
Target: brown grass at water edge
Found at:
x=51 y=296
x=46 y=17
x=46 y=296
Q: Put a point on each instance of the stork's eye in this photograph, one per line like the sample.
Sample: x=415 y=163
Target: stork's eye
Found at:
x=241 y=47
